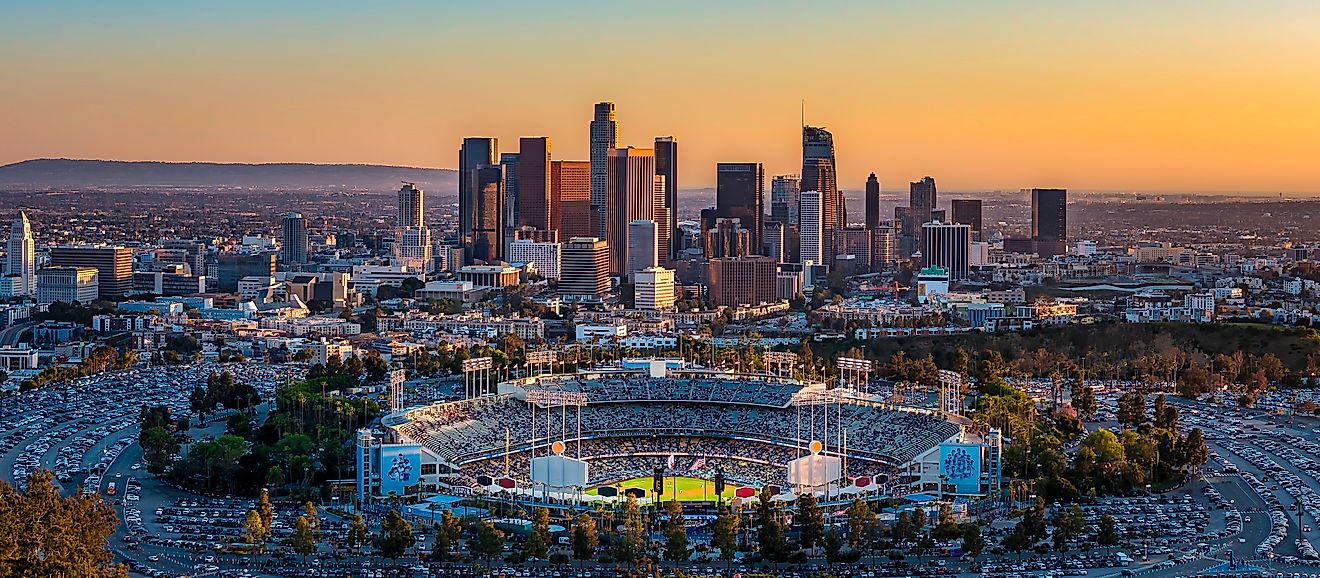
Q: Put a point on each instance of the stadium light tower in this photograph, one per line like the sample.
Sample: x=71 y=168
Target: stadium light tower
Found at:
x=476 y=377
x=397 y=378
x=951 y=384
x=548 y=400
x=540 y=360
x=855 y=373
x=780 y=363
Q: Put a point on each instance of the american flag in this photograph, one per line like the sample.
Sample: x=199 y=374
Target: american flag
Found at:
x=700 y=463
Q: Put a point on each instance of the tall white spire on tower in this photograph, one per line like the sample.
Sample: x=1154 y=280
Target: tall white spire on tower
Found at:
x=22 y=256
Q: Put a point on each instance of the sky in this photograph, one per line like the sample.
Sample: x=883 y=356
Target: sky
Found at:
x=1198 y=96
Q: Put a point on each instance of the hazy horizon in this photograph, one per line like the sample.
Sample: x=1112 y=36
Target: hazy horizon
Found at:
x=1179 y=97
x=855 y=192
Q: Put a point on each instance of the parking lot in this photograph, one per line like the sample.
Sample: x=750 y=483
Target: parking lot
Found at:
x=86 y=432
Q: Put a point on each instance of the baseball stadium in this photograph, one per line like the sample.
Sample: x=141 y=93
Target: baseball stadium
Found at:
x=602 y=435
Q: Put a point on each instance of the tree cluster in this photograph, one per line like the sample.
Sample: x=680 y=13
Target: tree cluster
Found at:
x=101 y=359
x=44 y=534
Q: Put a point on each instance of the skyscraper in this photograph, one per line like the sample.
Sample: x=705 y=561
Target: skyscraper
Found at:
x=1049 y=221
x=113 y=264
x=947 y=245
x=604 y=138
x=410 y=206
x=570 y=198
x=294 y=249
x=967 y=211
x=585 y=268
x=666 y=165
x=820 y=173
x=475 y=152
x=785 y=193
x=509 y=161
x=909 y=219
x=485 y=213
x=739 y=194
x=534 y=183
x=643 y=248
x=412 y=247
x=811 y=228
x=922 y=199
x=872 y=202
x=21 y=257
x=631 y=194
x=772 y=238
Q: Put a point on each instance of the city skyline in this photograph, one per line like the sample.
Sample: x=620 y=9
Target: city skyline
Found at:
x=1122 y=97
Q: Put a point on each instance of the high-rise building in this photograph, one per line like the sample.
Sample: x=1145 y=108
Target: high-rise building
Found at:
x=735 y=281
x=726 y=237
x=811 y=228
x=68 y=284
x=967 y=211
x=413 y=249
x=113 y=264
x=604 y=138
x=21 y=261
x=884 y=248
x=410 y=206
x=663 y=218
x=570 y=198
x=947 y=245
x=193 y=253
x=485 y=214
x=854 y=240
x=820 y=173
x=585 y=268
x=546 y=256
x=631 y=191
x=643 y=248
x=739 y=194
x=922 y=199
x=534 y=183
x=1049 y=221
x=653 y=288
x=784 y=198
x=872 y=202
x=510 y=163
x=476 y=152
x=231 y=267
x=772 y=239
x=293 y=251
x=920 y=210
x=666 y=165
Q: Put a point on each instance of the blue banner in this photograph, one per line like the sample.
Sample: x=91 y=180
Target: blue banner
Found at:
x=400 y=467
x=960 y=464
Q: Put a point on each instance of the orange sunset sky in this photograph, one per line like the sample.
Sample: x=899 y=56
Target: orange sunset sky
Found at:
x=1169 y=96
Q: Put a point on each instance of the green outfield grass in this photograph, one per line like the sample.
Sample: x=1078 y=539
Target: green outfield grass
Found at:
x=689 y=489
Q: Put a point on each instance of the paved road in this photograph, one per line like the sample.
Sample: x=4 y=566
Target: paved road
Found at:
x=10 y=335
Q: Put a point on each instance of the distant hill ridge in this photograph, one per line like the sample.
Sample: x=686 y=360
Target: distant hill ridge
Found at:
x=78 y=173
